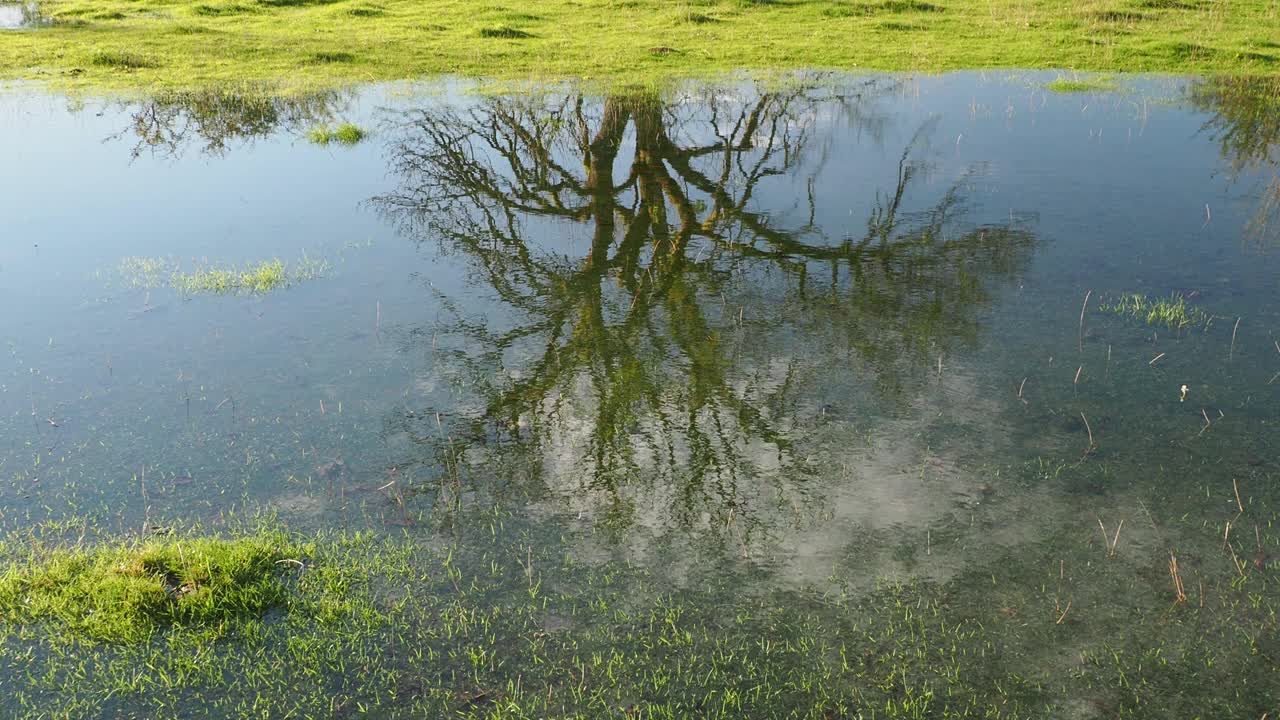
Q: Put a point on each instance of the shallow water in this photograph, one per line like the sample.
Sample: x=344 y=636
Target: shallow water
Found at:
x=811 y=336
x=14 y=16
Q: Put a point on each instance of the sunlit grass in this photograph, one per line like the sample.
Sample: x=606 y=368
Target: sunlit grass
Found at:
x=255 y=278
x=1172 y=312
x=1081 y=85
x=147 y=272
x=126 y=592
x=148 y=44
x=345 y=134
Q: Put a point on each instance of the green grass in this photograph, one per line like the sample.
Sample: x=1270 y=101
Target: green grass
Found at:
x=1173 y=312
x=151 y=44
x=1081 y=85
x=255 y=278
x=346 y=134
x=126 y=592
x=496 y=623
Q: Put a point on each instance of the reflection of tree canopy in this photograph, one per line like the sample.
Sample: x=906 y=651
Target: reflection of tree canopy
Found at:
x=1246 y=121
x=630 y=360
x=169 y=121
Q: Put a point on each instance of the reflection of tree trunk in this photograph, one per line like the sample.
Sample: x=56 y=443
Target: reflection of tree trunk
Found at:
x=653 y=149
x=601 y=155
x=630 y=329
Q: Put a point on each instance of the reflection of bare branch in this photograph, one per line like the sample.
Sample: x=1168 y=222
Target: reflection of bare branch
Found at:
x=169 y=121
x=622 y=354
x=1246 y=122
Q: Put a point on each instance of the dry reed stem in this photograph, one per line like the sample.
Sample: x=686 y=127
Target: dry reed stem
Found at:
x=1080 y=334
x=1232 y=351
x=1089 y=430
x=1108 y=541
x=1154 y=359
x=1178 y=593
x=1236 y=488
x=1063 y=616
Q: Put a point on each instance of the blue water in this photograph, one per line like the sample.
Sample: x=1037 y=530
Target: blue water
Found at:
x=835 y=326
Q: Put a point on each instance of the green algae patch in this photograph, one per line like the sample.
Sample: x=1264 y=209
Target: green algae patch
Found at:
x=126 y=592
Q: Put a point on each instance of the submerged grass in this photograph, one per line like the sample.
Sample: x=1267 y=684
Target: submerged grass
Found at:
x=310 y=44
x=496 y=623
x=255 y=278
x=1172 y=312
x=1081 y=85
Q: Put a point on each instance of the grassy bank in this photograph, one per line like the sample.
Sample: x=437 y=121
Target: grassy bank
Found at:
x=135 y=44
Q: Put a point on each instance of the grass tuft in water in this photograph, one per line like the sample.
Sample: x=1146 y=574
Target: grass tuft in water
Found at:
x=346 y=134
x=128 y=591
x=1172 y=312
x=1081 y=85
x=260 y=278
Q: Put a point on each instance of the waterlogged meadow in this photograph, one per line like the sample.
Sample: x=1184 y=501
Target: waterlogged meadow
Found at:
x=838 y=397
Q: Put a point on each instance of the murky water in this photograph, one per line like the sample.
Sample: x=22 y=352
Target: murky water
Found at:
x=817 y=335
x=14 y=16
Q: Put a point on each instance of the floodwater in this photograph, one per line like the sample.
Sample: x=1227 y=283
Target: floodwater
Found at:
x=17 y=15
x=818 y=335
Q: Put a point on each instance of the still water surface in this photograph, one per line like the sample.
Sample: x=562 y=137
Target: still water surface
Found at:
x=818 y=335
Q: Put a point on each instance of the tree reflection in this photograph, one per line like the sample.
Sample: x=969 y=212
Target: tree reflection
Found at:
x=1246 y=122
x=672 y=309
x=214 y=119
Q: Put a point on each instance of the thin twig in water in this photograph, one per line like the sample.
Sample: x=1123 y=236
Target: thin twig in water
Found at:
x=1236 y=488
x=1232 y=351
x=1089 y=430
x=1154 y=359
x=1110 y=542
x=1178 y=594
x=1206 y=422
x=1080 y=335
x=1063 y=616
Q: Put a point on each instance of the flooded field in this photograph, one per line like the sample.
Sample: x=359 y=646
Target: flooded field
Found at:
x=839 y=396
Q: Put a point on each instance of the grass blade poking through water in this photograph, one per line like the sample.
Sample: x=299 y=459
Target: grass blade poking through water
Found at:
x=255 y=278
x=344 y=134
